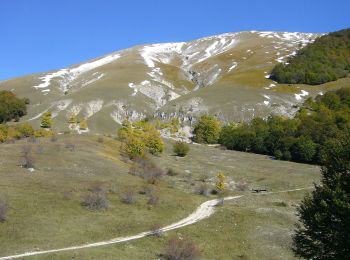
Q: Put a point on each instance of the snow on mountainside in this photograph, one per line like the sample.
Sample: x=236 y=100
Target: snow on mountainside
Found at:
x=225 y=74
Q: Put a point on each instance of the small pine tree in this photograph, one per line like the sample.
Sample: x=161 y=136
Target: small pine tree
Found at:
x=83 y=125
x=46 y=120
x=220 y=184
x=73 y=119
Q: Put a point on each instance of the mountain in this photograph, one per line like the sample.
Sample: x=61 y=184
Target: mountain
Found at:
x=226 y=75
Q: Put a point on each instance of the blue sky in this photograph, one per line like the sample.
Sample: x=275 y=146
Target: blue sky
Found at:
x=39 y=35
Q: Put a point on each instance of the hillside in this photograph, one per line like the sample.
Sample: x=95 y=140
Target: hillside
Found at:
x=327 y=59
x=226 y=75
x=46 y=211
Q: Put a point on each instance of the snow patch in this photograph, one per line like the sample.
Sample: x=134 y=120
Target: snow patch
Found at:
x=301 y=95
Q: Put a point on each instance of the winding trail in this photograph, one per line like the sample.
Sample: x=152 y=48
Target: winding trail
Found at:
x=205 y=210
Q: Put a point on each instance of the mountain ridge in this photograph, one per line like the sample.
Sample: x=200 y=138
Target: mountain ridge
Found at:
x=224 y=74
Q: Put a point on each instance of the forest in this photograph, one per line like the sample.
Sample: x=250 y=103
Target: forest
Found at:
x=304 y=138
x=326 y=59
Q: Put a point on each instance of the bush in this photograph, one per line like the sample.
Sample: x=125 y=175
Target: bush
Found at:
x=43 y=133
x=27 y=161
x=128 y=197
x=207 y=130
x=156 y=230
x=96 y=200
x=203 y=189
x=3 y=210
x=181 y=148
x=26 y=130
x=172 y=172
x=152 y=174
x=153 y=198
x=182 y=249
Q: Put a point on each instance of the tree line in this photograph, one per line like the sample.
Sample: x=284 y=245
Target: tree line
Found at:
x=318 y=123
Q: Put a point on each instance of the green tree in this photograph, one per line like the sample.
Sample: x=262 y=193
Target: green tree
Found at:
x=46 y=120
x=153 y=141
x=83 y=124
x=207 y=130
x=11 y=107
x=134 y=147
x=303 y=150
x=324 y=228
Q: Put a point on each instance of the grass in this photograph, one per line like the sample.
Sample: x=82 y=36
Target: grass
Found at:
x=41 y=216
x=46 y=212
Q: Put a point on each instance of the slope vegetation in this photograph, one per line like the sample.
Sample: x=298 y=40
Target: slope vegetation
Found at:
x=326 y=59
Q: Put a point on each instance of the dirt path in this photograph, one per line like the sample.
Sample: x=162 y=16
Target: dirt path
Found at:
x=205 y=210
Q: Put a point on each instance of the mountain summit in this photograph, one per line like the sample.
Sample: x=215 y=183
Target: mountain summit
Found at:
x=226 y=75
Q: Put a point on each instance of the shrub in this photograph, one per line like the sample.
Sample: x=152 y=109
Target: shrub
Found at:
x=153 y=198
x=203 y=189
x=3 y=210
x=156 y=230
x=27 y=161
x=152 y=174
x=128 y=197
x=42 y=133
x=172 y=172
x=181 y=148
x=96 y=200
x=26 y=130
x=207 y=130
x=181 y=249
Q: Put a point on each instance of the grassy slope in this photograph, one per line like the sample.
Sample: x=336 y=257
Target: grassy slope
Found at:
x=40 y=217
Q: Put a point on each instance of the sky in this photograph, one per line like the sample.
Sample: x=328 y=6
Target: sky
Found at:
x=41 y=35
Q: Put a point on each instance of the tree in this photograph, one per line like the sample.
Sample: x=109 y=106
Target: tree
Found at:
x=134 y=147
x=11 y=107
x=46 y=120
x=324 y=228
x=83 y=125
x=207 y=130
x=153 y=141
x=73 y=119
x=181 y=148
x=303 y=150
